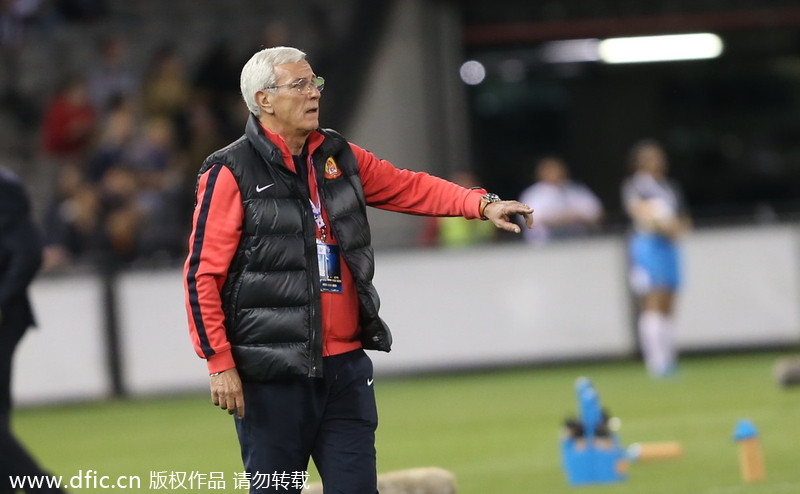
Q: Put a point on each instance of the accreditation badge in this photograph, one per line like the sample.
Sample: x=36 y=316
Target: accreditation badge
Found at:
x=330 y=272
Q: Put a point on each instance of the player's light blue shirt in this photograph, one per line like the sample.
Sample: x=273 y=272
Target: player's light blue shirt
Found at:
x=643 y=186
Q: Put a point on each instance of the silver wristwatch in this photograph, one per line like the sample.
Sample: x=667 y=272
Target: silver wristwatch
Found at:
x=486 y=200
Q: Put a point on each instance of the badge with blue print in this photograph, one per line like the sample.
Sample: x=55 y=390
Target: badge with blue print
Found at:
x=330 y=272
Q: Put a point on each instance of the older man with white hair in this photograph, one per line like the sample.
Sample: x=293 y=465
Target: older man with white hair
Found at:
x=279 y=277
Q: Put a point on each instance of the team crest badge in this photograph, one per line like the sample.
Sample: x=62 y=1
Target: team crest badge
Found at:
x=332 y=169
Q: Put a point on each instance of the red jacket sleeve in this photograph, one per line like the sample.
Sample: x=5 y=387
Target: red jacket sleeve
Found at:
x=216 y=229
x=406 y=191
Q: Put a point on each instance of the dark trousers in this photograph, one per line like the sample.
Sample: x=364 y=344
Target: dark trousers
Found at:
x=14 y=460
x=330 y=419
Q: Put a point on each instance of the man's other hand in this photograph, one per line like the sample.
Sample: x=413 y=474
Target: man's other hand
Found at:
x=226 y=392
x=500 y=214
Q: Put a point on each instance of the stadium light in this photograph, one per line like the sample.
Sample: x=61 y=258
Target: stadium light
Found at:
x=672 y=47
x=571 y=51
x=472 y=72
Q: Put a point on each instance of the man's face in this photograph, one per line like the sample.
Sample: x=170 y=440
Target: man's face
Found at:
x=294 y=112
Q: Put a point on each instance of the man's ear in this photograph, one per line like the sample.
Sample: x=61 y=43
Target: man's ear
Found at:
x=264 y=101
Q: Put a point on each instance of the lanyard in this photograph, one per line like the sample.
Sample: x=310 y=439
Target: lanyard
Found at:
x=317 y=207
x=318 y=219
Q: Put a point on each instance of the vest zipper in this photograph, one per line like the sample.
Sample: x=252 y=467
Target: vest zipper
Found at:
x=313 y=339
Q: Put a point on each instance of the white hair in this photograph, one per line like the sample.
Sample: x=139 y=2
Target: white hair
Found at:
x=259 y=72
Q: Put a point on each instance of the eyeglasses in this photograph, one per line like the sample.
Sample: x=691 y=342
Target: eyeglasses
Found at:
x=304 y=85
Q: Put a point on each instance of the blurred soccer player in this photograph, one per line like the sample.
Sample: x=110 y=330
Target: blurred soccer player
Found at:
x=659 y=215
x=279 y=276
x=20 y=257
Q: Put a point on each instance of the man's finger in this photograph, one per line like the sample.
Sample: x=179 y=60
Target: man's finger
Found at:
x=230 y=405
x=240 y=405
x=528 y=219
x=508 y=226
x=526 y=212
x=521 y=209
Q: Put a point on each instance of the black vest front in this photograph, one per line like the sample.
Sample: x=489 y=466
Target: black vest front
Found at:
x=271 y=297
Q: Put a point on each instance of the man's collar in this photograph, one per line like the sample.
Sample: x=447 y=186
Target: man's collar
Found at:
x=276 y=144
x=313 y=140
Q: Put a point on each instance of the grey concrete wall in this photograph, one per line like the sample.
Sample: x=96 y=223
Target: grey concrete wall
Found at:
x=488 y=306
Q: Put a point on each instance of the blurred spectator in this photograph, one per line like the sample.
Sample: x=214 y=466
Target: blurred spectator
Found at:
x=205 y=137
x=456 y=232
x=157 y=166
x=73 y=228
x=660 y=216
x=121 y=214
x=116 y=135
x=166 y=90
x=562 y=208
x=152 y=152
x=11 y=40
x=110 y=76
x=217 y=81
x=88 y=219
x=69 y=122
x=15 y=16
x=11 y=24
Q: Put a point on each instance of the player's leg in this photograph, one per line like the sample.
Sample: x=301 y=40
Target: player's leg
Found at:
x=668 y=283
x=669 y=336
x=653 y=277
x=656 y=334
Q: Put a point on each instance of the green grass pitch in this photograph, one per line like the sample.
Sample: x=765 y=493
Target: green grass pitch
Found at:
x=497 y=431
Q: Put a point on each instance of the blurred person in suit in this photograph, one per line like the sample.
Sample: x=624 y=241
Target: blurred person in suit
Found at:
x=660 y=217
x=564 y=208
x=20 y=257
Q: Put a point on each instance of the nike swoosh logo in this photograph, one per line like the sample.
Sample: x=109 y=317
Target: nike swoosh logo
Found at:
x=262 y=189
x=369 y=382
